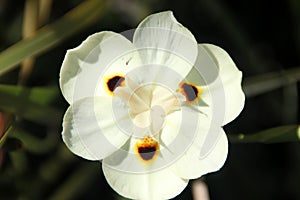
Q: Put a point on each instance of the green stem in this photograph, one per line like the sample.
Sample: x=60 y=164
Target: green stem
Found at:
x=4 y=137
x=289 y=133
x=267 y=82
x=51 y=35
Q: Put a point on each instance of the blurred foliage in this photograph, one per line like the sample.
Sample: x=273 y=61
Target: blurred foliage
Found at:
x=32 y=104
x=262 y=38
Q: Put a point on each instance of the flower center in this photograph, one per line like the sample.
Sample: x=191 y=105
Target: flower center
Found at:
x=148 y=106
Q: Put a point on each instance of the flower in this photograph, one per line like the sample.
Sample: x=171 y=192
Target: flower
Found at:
x=151 y=110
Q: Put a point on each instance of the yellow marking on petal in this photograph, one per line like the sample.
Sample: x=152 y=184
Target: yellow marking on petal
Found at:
x=146 y=149
x=113 y=81
x=192 y=92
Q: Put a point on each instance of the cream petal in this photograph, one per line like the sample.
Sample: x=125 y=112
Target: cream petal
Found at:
x=162 y=40
x=85 y=67
x=90 y=128
x=200 y=141
x=159 y=185
x=155 y=75
x=178 y=133
x=180 y=130
x=221 y=96
x=231 y=78
x=193 y=164
x=158 y=115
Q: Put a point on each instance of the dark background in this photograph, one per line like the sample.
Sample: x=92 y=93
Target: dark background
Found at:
x=261 y=36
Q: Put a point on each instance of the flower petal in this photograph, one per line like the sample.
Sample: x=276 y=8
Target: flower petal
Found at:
x=203 y=145
x=85 y=67
x=179 y=131
x=193 y=164
x=162 y=40
x=158 y=185
x=231 y=78
x=90 y=128
x=220 y=80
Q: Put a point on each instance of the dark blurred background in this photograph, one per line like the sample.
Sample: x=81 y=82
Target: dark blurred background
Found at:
x=261 y=36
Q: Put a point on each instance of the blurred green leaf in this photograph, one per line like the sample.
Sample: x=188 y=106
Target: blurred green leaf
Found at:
x=12 y=144
x=51 y=35
x=16 y=138
x=31 y=104
x=34 y=144
x=39 y=95
x=289 y=133
x=72 y=186
x=267 y=82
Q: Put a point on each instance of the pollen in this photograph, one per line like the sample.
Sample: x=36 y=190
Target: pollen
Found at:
x=190 y=91
x=147 y=149
x=114 y=81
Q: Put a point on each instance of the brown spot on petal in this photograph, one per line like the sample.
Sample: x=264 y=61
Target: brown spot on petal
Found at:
x=147 y=149
x=190 y=91
x=147 y=153
x=114 y=81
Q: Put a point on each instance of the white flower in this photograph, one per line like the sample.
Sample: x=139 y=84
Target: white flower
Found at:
x=153 y=109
